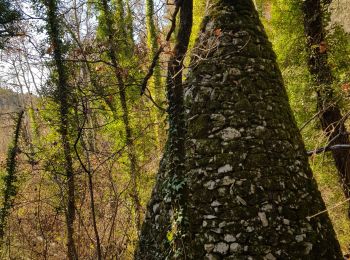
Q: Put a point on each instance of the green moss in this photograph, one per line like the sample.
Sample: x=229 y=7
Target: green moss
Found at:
x=243 y=105
x=199 y=126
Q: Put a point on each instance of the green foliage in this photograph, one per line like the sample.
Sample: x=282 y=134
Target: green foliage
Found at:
x=199 y=9
x=285 y=30
x=102 y=146
x=121 y=27
x=339 y=52
x=172 y=188
x=152 y=42
x=175 y=234
x=94 y=108
x=328 y=182
x=8 y=18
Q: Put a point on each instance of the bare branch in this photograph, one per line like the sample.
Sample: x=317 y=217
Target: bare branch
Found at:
x=328 y=148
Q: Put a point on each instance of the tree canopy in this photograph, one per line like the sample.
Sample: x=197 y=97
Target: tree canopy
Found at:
x=9 y=15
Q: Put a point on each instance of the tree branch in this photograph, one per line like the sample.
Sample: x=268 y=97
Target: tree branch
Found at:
x=328 y=148
x=161 y=48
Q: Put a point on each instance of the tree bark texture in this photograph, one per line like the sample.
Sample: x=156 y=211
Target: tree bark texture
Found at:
x=248 y=190
x=330 y=116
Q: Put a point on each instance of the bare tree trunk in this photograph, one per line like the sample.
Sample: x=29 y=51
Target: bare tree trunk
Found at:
x=332 y=121
x=84 y=70
x=62 y=93
x=88 y=171
x=28 y=138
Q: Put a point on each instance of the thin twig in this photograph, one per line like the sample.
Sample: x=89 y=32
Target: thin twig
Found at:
x=149 y=95
x=326 y=210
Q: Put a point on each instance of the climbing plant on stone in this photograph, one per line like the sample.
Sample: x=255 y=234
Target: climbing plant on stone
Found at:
x=247 y=188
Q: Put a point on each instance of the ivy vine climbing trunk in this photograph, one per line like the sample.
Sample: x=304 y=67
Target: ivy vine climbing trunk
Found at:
x=247 y=187
x=156 y=83
x=332 y=121
x=153 y=46
x=10 y=189
x=62 y=96
x=166 y=196
x=112 y=52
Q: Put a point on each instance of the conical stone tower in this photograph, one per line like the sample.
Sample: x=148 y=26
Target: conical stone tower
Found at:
x=248 y=191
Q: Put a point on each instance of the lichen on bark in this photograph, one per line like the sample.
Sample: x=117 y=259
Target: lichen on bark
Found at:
x=249 y=189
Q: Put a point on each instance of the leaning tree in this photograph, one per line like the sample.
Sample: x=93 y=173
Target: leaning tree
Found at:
x=247 y=191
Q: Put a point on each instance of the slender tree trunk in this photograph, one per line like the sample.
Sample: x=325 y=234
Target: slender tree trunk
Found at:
x=87 y=169
x=62 y=93
x=156 y=82
x=122 y=97
x=250 y=193
x=32 y=113
x=27 y=134
x=86 y=145
x=10 y=190
x=129 y=27
x=330 y=116
x=167 y=196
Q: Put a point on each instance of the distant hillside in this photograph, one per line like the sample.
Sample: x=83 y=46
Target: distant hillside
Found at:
x=9 y=100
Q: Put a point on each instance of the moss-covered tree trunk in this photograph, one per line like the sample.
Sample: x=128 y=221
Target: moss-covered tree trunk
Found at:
x=129 y=140
x=152 y=43
x=156 y=83
x=62 y=96
x=330 y=116
x=247 y=188
x=9 y=190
